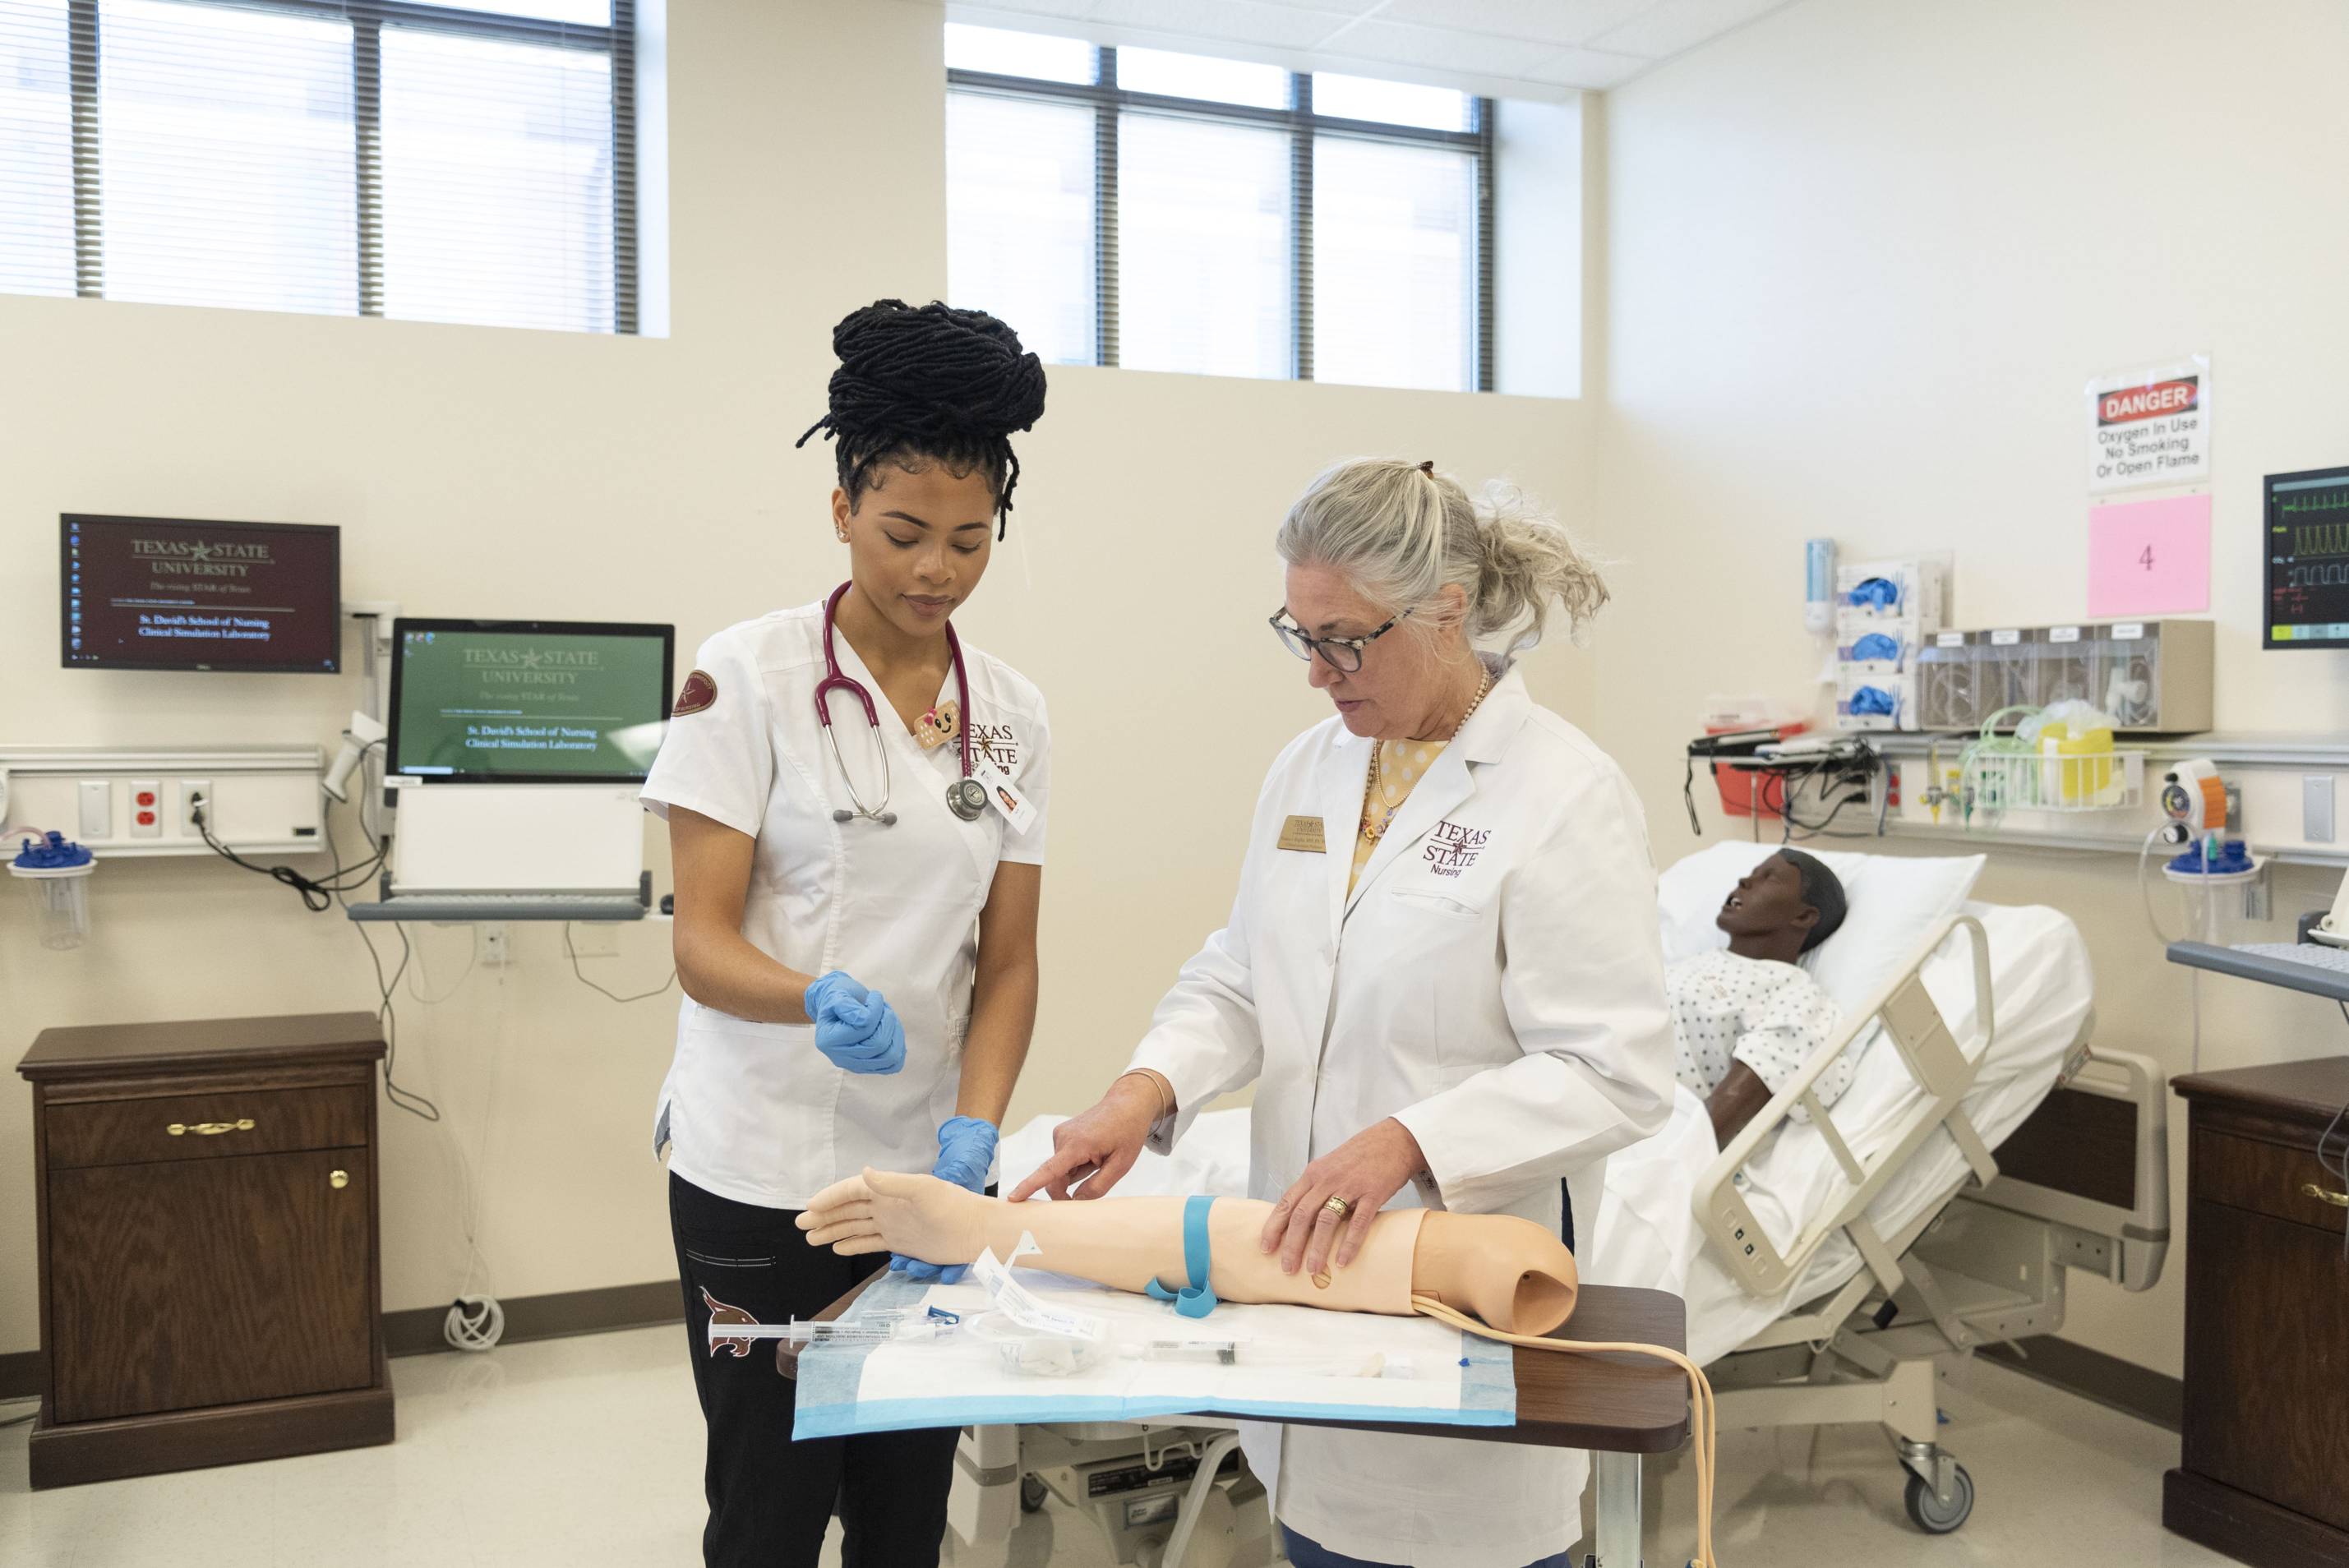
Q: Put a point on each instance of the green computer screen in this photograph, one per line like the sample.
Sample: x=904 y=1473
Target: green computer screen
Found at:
x=536 y=701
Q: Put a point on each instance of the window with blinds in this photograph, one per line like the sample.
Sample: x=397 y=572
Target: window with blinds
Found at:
x=428 y=162
x=1168 y=211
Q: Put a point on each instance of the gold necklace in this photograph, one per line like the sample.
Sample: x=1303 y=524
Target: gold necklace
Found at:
x=1373 y=778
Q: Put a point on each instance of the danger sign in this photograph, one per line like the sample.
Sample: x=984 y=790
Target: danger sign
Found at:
x=2147 y=402
x=2150 y=426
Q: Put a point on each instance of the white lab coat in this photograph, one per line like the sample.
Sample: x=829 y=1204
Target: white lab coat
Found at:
x=1493 y=983
x=753 y=1111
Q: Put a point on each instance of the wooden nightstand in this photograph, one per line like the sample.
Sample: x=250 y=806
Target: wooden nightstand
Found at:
x=209 y=1271
x=2263 y=1472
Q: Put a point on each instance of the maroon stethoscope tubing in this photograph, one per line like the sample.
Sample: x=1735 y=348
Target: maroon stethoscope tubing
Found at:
x=834 y=681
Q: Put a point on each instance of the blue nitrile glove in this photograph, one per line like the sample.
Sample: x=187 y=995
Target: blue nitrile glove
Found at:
x=965 y=1149
x=855 y=1028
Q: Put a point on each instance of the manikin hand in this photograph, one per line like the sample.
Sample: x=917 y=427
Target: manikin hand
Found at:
x=1096 y=1148
x=965 y=1149
x=1366 y=1170
x=890 y=1212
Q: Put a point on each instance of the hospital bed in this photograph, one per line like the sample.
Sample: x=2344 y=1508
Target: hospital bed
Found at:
x=1831 y=1259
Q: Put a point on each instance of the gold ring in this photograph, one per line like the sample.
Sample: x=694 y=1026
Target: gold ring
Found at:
x=1339 y=1207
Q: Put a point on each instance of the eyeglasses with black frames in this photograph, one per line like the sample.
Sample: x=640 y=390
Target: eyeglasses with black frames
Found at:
x=1343 y=654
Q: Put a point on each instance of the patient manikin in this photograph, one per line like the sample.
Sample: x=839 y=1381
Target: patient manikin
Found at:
x=1746 y=1018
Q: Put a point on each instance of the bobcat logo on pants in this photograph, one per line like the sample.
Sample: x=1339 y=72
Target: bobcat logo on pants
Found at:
x=719 y=1313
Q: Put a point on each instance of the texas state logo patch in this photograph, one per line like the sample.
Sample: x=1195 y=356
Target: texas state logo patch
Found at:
x=699 y=692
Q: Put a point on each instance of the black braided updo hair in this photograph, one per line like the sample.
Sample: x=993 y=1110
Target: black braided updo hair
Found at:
x=929 y=383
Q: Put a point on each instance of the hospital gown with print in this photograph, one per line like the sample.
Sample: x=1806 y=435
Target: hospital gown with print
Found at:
x=1772 y=1016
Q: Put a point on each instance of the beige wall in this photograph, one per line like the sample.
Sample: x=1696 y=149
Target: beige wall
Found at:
x=1862 y=259
x=486 y=472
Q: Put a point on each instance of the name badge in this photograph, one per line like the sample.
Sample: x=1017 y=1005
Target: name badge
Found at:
x=1003 y=795
x=1303 y=833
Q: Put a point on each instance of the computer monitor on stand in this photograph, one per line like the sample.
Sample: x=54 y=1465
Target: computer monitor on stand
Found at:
x=515 y=752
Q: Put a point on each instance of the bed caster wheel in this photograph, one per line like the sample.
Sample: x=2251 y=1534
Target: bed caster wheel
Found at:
x=1031 y=1494
x=1933 y=1516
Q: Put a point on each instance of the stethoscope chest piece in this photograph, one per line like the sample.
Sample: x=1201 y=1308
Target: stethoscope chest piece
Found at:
x=967 y=798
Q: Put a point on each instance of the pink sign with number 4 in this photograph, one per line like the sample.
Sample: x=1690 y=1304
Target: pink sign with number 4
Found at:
x=2150 y=557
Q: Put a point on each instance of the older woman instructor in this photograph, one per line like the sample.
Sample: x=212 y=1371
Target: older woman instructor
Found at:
x=1440 y=972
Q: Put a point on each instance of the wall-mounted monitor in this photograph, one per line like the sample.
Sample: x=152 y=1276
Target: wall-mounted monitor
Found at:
x=528 y=702
x=2304 y=548
x=172 y=594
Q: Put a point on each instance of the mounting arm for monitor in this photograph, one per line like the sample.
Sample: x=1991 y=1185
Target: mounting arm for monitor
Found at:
x=370 y=719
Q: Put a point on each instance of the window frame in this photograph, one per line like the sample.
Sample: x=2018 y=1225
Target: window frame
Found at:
x=1108 y=100
x=618 y=40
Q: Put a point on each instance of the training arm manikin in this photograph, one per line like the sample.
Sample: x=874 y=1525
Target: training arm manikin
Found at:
x=1510 y=1272
x=1511 y=1275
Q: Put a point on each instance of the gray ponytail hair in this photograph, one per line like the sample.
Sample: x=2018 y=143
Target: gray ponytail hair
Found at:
x=1401 y=532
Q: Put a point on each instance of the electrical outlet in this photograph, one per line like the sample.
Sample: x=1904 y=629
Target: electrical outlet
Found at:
x=194 y=792
x=496 y=949
x=146 y=808
x=596 y=939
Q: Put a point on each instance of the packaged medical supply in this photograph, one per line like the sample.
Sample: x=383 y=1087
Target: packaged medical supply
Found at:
x=1947 y=687
x=1872 y=592
x=1032 y=1352
x=1874 y=701
x=1887 y=651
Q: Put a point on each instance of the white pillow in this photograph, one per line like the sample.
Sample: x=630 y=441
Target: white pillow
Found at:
x=1891 y=902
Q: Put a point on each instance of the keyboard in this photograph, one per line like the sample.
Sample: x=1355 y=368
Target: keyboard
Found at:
x=2334 y=958
x=465 y=906
x=2308 y=966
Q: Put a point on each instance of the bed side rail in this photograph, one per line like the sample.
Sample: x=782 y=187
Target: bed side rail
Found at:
x=2094 y=1160
x=1935 y=1062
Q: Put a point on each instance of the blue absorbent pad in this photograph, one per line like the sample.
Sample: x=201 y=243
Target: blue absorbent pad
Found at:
x=1461 y=1380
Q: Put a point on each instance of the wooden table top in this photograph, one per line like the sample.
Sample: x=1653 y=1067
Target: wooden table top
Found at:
x=95 y=1049
x=2309 y=1092
x=1613 y=1400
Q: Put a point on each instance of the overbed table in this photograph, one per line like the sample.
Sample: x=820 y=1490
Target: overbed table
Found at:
x=1617 y=1405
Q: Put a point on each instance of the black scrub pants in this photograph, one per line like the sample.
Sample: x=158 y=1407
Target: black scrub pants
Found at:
x=770 y=1498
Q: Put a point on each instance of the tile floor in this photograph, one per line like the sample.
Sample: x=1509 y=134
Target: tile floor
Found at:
x=584 y=1453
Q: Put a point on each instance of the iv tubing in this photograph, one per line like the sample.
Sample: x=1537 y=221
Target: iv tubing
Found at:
x=1700 y=1396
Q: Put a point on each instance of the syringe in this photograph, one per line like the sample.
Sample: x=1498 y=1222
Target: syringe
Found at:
x=879 y=1328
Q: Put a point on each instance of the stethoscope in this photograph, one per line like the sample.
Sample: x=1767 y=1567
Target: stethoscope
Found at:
x=966 y=797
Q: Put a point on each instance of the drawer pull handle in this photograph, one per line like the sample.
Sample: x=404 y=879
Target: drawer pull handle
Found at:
x=338 y=1179
x=2311 y=1189
x=210 y=1129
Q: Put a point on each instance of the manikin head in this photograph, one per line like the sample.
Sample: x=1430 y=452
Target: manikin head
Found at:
x=1786 y=905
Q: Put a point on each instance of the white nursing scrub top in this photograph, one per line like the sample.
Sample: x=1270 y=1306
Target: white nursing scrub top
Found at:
x=752 y=1111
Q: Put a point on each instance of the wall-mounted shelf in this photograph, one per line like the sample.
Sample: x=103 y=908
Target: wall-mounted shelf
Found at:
x=2271 y=771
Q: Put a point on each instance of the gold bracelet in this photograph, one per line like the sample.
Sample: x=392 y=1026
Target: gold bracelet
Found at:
x=1165 y=1103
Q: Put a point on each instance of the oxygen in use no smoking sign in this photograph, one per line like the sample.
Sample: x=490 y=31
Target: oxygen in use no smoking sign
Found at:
x=2150 y=426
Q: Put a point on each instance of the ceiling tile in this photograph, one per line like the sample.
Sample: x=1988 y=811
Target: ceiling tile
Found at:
x=1225 y=21
x=1593 y=69
x=993 y=15
x=1539 y=21
x=1431 y=48
x=1677 y=24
